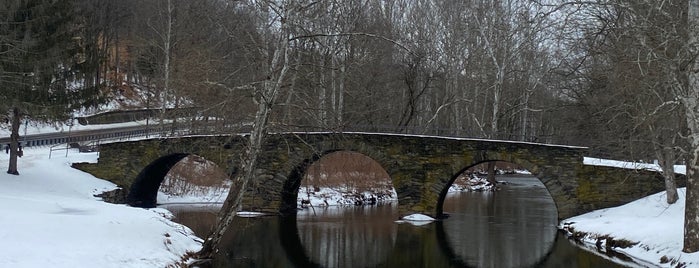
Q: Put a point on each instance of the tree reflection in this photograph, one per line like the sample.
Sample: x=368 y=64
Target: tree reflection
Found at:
x=513 y=227
x=357 y=237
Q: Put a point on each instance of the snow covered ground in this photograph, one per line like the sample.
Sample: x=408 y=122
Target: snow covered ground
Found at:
x=655 y=227
x=49 y=218
x=37 y=128
x=629 y=165
x=472 y=183
x=342 y=196
x=202 y=195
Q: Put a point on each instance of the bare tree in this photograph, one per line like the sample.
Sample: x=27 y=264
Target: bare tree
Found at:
x=643 y=40
x=645 y=45
x=160 y=38
x=272 y=14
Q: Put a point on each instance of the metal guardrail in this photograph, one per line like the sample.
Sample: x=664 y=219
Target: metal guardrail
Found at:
x=85 y=136
x=94 y=137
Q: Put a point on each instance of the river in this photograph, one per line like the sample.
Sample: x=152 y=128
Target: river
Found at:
x=512 y=227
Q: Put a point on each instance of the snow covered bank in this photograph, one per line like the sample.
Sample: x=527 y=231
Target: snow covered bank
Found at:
x=647 y=229
x=51 y=219
x=590 y=161
x=471 y=183
x=343 y=195
x=201 y=195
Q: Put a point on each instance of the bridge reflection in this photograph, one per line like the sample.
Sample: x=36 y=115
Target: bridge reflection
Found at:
x=253 y=245
x=369 y=237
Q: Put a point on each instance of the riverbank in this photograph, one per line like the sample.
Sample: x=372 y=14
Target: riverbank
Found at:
x=647 y=230
x=50 y=218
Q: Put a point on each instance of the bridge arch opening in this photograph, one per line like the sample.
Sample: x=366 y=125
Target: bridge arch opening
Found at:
x=341 y=187
x=178 y=177
x=482 y=174
x=342 y=178
x=520 y=218
x=501 y=168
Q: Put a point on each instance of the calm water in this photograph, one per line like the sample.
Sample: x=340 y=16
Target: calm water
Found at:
x=514 y=227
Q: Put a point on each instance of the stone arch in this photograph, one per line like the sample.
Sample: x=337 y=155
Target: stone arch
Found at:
x=550 y=182
x=289 y=193
x=144 y=190
x=292 y=183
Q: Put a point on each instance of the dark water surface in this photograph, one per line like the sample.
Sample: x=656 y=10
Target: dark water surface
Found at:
x=513 y=227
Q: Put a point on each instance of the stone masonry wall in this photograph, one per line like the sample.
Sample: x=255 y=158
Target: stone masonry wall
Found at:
x=121 y=162
x=421 y=168
x=602 y=187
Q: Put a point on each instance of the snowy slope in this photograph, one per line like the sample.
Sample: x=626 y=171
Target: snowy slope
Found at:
x=51 y=219
x=656 y=226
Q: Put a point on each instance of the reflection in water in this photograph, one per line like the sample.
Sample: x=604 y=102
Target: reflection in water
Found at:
x=253 y=242
x=514 y=227
x=348 y=237
x=565 y=254
x=199 y=218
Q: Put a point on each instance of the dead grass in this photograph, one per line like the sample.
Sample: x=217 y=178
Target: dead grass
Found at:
x=193 y=175
x=351 y=169
x=360 y=172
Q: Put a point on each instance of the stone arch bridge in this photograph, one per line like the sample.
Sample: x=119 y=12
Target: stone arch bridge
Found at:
x=421 y=167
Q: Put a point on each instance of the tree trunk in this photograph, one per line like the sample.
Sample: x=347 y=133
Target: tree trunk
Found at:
x=14 y=141
x=689 y=100
x=691 y=211
x=166 y=47
x=491 y=173
x=497 y=94
x=266 y=101
x=290 y=92
x=341 y=96
x=323 y=99
x=333 y=87
x=668 y=166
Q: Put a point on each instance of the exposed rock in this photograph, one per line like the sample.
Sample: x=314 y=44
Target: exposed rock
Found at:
x=116 y=196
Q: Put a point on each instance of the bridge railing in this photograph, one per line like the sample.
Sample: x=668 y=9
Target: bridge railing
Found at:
x=206 y=127
x=82 y=137
x=419 y=130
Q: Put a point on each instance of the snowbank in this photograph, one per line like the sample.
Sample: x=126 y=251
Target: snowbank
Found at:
x=471 y=183
x=343 y=195
x=655 y=227
x=590 y=161
x=203 y=195
x=51 y=219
